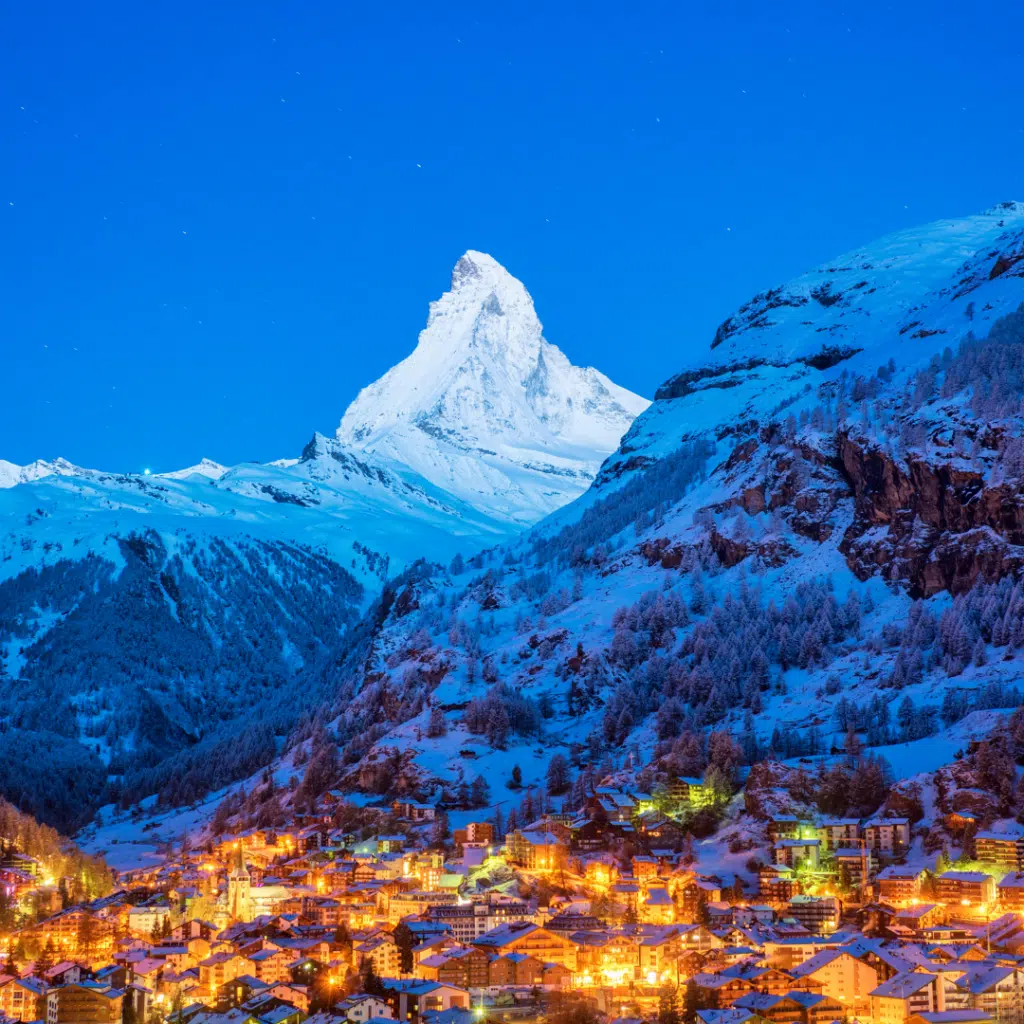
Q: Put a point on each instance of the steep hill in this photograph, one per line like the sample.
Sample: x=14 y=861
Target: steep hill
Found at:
x=813 y=530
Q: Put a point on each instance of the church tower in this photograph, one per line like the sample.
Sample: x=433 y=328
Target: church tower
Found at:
x=239 y=900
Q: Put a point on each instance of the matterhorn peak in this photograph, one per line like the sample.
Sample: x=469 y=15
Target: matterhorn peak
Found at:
x=486 y=408
x=476 y=266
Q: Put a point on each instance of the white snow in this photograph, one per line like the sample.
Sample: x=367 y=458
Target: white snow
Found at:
x=204 y=468
x=904 y=297
x=489 y=410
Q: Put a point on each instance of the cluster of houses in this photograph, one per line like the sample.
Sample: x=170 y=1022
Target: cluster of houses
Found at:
x=605 y=906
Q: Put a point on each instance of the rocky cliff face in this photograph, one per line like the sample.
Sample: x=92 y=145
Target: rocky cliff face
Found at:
x=929 y=526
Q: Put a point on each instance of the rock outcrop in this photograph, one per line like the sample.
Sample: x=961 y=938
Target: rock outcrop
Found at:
x=930 y=526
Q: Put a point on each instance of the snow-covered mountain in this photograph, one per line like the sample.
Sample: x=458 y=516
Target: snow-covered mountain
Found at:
x=204 y=468
x=815 y=527
x=488 y=410
x=11 y=474
x=903 y=297
x=202 y=594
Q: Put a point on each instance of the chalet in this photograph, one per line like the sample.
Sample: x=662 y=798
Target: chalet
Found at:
x=468 y=921
x=588 y=834
x=1003 y=850
x=841 y=975
x=516 y=969
x=361 y=1007
x=657 y=906
x=952 y=1017
x=733 y=1015
x=66 y=929
x=541 y=943
x=795 y=852
x=410 y=999
x=792 y=1008
x=644 y=867
x=391 y=843
x=618 y=805
x=919 y=916
x=22 y=862
x=380 y=950
x=770 y=979
x=695 y=893
x=778 y=883
x=219 y=968
x=719 y=990
x=687 y=790
x=995 y=990
x=973 y=887
x=466 y=967
x=22 y=999
x=270 y=965
x=535 y=851
x=899 y=884
x=84 y=1002
x=658 y=828
x=887 y=835
x=65 y=973
x=838 y=832
x=1011 y=891
x=903 y=995
x=783 y=826
x=239 y=990
x=413 y=810
x=818 y=914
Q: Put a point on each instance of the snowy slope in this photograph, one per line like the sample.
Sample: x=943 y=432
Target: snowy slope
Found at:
x=330 y=499
x=216 y=603
x=728 y=499
x=205 y=468
x=486 y=408
x=904 y=297
x=706 y=582
x=11 y=474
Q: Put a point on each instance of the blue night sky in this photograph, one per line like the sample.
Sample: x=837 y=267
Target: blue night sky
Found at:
x=221 y=219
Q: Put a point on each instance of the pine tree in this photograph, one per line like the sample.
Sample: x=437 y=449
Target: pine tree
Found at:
x=343 y=940
x=558 y=775
x=437 y=725
x=404 y=941
x=439 y=833
x=668 y=1006
x=480 y=792
x=46 y=959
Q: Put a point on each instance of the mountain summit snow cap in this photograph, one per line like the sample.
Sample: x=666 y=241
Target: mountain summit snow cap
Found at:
x=473 y=265
x=486 y=408
x=482 y=289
